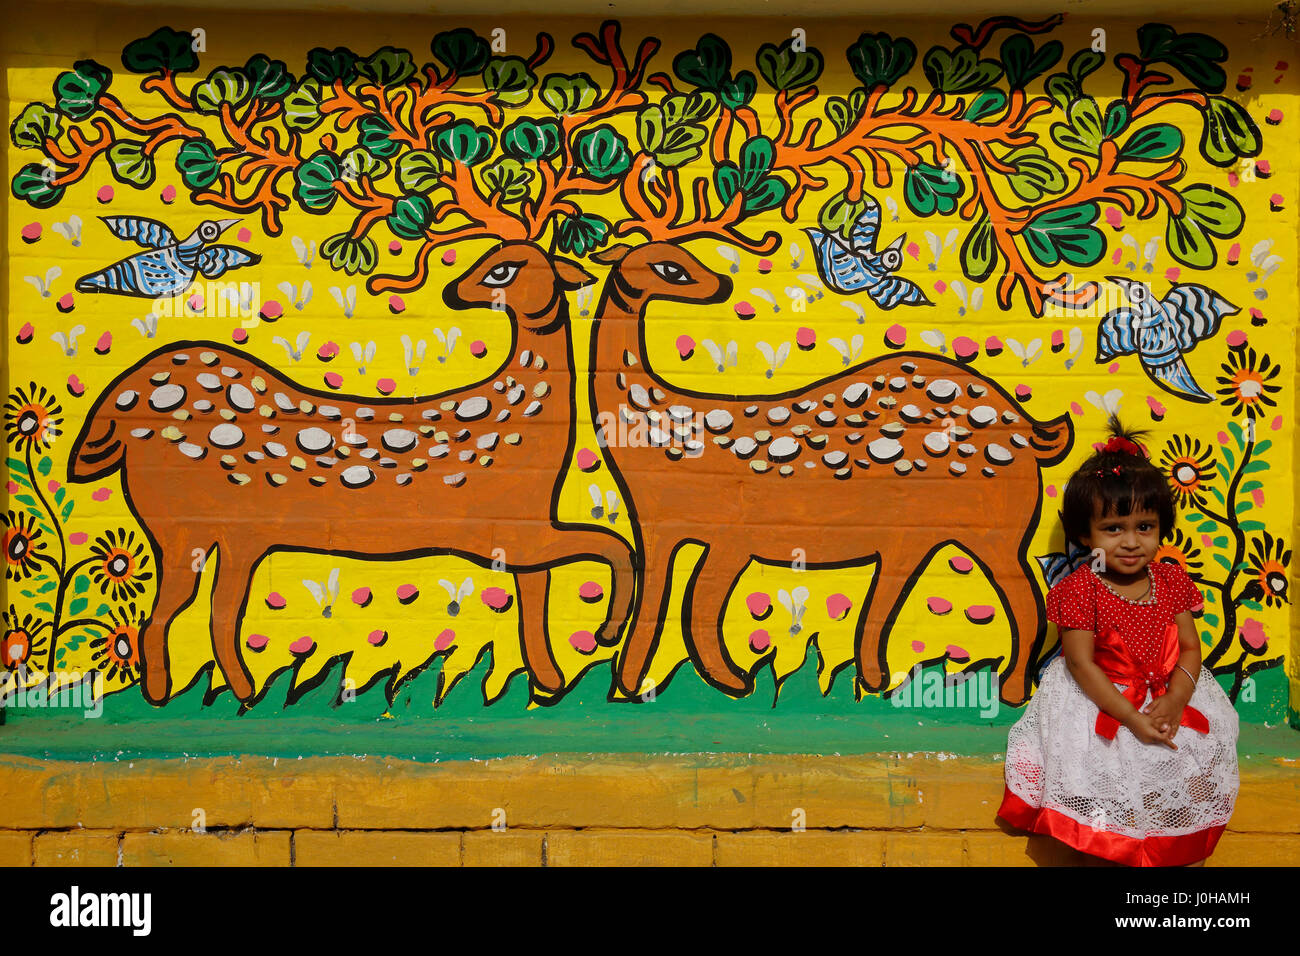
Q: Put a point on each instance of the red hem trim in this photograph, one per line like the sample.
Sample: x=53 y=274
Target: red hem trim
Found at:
x=1131 y=851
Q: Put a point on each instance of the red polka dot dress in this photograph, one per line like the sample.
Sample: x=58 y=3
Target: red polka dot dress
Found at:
x=1074 y=773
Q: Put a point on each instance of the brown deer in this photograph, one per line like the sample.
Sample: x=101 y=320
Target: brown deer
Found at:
x=890 y=459
x=219 y=450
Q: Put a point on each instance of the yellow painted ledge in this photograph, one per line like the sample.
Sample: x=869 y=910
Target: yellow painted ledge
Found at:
x=726 y=810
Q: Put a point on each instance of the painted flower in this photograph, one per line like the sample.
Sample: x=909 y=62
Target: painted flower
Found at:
x=120 y=566
x=117 y=653
x=1182 y=551
x=32 y=418
x=1269 y=560
x=22 y=640
x=22 y=544
x=1245 y=382
x=1254 y=640
x=1189 y=465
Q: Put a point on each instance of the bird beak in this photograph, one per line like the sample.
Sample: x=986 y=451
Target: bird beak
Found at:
x=1120 y=281
x=897 y=244
x=225 y=224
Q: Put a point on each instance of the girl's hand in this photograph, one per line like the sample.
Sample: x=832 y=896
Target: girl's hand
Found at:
x=1166 y=713
x=1148 y=732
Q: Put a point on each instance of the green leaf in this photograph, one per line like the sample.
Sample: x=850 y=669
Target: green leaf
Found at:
x=530 y=140
x=1063 y=90
x=1263 y=446
x=736 y=93
x=1223 y=470
x=1036 y=175
x=410 y=217
x=988 y=103
x=567 y=95
x=1235 y=431
x=375 y=135
x=929 y=189
x=707 y=66
x=418 y=171
x=129 y=164
x=27 y=500
x=787 y=69
x=1195 y=55
x=877 y=59
x=840 y=213
x=979 y=252
x=1116 y=120
x=313 y=182
x=603 y=152
x=1253 y=466
x=1253 y=605
x=1066 y=235
x=387 y=67
x=302 y=106
x=80 y=584
x=1228 y=132
x=510 y=178
x=60 y=493
x=222 y=86
x=1211 y=619
x=76 y=93
x=463 y=50
x=196 y=161
x=960 y=70
x=1220 y=542
x=1224 y=562
x=1206 y=527
x=67 y=510
x=1155 y=143
x=163 y=51
x=34 y=125
x=350 y=255
x=463 y=142
x=327 y=66
x=1217 y=493
x=1023 y=64
x=34 y=184
x=77 y=606
x=27 y=594
x=1207 y=211
x=1251 y=525
x=671 y=144
x=768 y=193
x=358 y=162
x=580 y=235
x=101 y=610
x=269 y=79
x=1083 y=63
x=47 y=587
x=1082 y=133
x=44 y=465
x=726 y=179
x=1194 y=516
x=511 y=80
x=1243 y=507
x=44 y=606
x=844 y=113
x=756 y=159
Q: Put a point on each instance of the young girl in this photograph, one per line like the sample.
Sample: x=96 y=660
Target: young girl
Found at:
x=1128 y=750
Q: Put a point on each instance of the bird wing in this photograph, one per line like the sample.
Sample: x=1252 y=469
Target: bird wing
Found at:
x=893 y=290
x=1194 y=313
x=862 y=237
x=1175 y=377
x=149 y=233
x=214 y=260
x=1115 y=334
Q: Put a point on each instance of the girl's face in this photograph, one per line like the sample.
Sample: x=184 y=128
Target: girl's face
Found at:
x=1129 y=542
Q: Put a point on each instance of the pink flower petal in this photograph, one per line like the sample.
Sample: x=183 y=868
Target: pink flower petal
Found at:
x=257 y=642
x=586 y=460
x=938 y=605
x=101 y=494
x=979 y=613
x=590 y=591
x=758 y=603
x=498 y=599
x=377 y=638
x=477 y=348
x=361 y=597
x=386 y=386
x=961 y=564
x=837 y=606
x=685 y=346
x=444 y=640
x=78 y=537
x=406 y=593
x=1252 y=634
x=303 y=646
x=275 y=601
x=918 y=646
x=760 y=640
x=583 y=641
x=957 y=653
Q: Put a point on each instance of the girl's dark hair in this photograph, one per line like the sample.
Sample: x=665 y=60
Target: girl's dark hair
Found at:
x=1120 y=481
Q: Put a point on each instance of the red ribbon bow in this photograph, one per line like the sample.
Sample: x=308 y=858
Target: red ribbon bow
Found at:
x=1118 y=664
x=1125 y=445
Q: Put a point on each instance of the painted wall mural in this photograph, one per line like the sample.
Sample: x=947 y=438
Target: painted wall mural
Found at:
x=631 y=353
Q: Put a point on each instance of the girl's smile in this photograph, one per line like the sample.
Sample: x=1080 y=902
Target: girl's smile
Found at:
x=1127 y=544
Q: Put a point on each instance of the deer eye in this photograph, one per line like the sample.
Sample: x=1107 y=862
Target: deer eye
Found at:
x=503 y=274
x=671 y=272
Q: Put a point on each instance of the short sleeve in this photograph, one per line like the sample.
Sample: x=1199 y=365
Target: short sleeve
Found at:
x=1070 y=604
x=1184 y=595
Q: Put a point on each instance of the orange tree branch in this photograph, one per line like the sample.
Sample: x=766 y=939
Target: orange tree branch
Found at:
x=166 y=86
x=83 y=152
x=159 y=130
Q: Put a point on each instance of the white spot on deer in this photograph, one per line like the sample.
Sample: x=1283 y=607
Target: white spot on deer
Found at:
x=455 y=480
x=834 y=459
x=893 y=429
x=203 y=405
x=370 y=454
x=191 y=450
x=784 y=448
x=718 y=421
x=365 y=414
x=1019 y=440
x=942 y=390
x=230 y=371
x=209 y=381
x=432 y=414
x=358 y=476
x=285 y=403
x=694 y=449
x=966 y=449
x=468 y=455
x=856 y=394
x=473 y=408
x=488 y=442
x=524 y=358
x=532 y=409
x=936 y=443
x=515 y=395
x=275 y=449
x=998 y=455
x=166 y=397
x=975 y=390
x=744 y=447
x=805 y=406
x=399 y=440
x=331 y=412
x=897 y=383
x=127 y=400
x=226 y=436
x=240 y=398
x=141 y=432
x=778 y=415
x=911 y=413
x=438 y=451
x=826 y=419
x=681 y=413
x=315 y=440
x=884 y=450
x=404 y=478
x=902 y=466
x=640 y=397
x=982 y=415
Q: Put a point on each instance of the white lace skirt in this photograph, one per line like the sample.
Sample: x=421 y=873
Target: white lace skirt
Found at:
x=1135 y=803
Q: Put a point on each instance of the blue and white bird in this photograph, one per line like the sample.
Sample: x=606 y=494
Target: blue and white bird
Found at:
x=1160 y=331
x=169 y=265
x=856 y=266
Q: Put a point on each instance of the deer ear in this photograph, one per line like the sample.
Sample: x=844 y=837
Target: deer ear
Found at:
x=613 y=255
x=572 y=275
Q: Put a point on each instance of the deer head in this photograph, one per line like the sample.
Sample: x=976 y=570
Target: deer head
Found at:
x=522 y=280
x=659 y=270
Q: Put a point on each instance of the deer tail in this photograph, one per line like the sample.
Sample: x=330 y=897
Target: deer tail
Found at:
x=1051 y=440
x=100 y=448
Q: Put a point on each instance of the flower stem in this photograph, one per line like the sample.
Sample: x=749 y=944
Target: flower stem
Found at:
x=1239 y=552
x=62 y=563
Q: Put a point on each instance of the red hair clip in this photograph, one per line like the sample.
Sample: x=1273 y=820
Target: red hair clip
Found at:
x=1115 y=470
x=1125 y=445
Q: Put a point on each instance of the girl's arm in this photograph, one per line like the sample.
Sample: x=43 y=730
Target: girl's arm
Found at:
x=1077 y=648
x=1167 y=709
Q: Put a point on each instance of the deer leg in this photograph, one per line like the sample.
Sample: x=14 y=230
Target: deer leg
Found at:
x=177 y=584
x=647 y=614
x=229 y=595
x=1015 y=584
x=889 y=591
x=533 y=587
x=706 y=603
x=608 y=548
